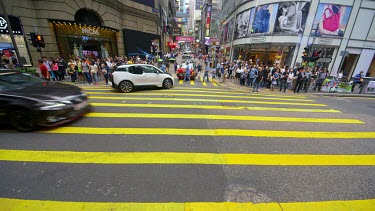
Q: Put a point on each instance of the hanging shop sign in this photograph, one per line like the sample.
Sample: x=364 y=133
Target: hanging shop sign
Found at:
x=15 y=22
x=176 y=31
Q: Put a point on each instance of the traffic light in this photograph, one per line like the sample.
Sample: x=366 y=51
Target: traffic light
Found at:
x=40 y=41
x=315 y=56
x=32 y=38
x=305 y=54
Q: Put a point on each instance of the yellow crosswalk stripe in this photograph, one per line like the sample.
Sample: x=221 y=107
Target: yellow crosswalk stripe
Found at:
x=199 y=95
x=192 y=83
x=231 y=93
x=207 y=91
x=185 y=158
x=204 y=83
x=224 y=117
x=181 y=82
x=215 y=107
x=205 y=100
x=213 y=82
x=31 y=205
x=212 y=132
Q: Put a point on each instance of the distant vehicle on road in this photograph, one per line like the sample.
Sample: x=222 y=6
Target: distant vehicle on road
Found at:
x=181 y=72
x=185 y=58
x=127 y=77
x=28 y=102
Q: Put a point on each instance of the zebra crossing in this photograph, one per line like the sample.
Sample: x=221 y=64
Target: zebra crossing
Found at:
x=211 y=128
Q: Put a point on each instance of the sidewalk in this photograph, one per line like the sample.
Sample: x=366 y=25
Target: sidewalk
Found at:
x=231 y=85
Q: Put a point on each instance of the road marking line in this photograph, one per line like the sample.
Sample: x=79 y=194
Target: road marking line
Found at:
x=192 y=83
x=180 y=82
x=211 y=132
x=185 y=158
x=223 y=117
x=213 y=83
x=349 y=205
x=198 y=95
x=204 y=100
x=203 y=82
x=206 y=91
x=214 y=107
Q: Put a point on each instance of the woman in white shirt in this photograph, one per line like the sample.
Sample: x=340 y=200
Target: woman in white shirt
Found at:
x=290 y=78
x=94 y=72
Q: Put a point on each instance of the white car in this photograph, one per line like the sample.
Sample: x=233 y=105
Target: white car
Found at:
x=127 y=77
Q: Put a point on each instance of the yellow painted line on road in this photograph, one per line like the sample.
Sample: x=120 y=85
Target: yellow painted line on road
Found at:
x=185 y=158
x=211 y=132
x=31 y=205
x=201 y=95
x=192 y=83
x=203 y=82
x=223 y=117
x=203 y=91
x=180 y=82
x=213 y=83
x=305 y=110
x=204 y=100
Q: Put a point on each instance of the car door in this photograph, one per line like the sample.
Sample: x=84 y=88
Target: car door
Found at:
x=137 y=77
x=152 y=75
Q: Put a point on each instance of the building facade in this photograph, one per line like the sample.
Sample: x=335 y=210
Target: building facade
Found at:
x=99 y=28
x=278 y=32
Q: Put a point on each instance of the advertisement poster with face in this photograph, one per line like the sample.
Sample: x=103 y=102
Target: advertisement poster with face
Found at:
x=331 y=20
x=264 y=21
x=291 y=18
x=230 y=29
x=242 y=24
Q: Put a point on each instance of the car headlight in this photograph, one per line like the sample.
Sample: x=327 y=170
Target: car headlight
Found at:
x=52 y=105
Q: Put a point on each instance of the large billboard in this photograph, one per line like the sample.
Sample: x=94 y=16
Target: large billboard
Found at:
x=224 y=33
x=330 y=20
x=230 y=30
x=242 y=24
x=264 y=20
x=291 y=18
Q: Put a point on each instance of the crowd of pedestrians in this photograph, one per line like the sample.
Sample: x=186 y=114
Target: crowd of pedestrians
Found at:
x=282 y=78
x=86 y=70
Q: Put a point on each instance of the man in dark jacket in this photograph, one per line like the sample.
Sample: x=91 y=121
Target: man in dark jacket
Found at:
x=300 y=79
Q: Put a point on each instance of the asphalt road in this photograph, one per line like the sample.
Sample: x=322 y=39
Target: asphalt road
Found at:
x=297 y=152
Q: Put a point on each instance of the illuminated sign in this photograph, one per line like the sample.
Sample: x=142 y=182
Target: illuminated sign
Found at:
x=90 y=31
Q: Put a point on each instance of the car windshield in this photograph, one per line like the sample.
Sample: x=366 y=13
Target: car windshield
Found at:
x=14 y=80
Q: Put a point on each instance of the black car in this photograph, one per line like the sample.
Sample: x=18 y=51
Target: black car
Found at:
x=28 y=102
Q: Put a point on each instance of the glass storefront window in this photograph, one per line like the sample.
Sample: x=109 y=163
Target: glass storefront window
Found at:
x=6 y=45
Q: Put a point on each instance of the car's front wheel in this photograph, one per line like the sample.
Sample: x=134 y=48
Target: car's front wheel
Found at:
x=167 y=83
x=23 y=120
x=126 y=86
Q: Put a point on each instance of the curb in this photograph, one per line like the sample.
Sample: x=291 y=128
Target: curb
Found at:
x=344 y=95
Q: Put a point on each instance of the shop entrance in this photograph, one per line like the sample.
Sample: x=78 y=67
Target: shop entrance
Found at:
x=349 y=64
x=267 y=54
x=75 y=40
